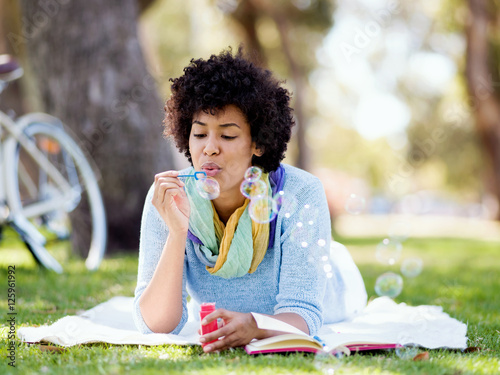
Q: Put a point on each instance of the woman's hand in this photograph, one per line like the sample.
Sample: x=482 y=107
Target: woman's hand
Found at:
x=238 y=330
x=171 y=201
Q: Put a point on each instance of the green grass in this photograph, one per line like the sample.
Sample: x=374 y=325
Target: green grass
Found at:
x=459 y=275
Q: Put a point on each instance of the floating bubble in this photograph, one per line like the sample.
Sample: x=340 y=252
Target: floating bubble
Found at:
x=411 y=267
x=286 y=204
x=253 y=189
x=355 y=204
x=279 y=198
x=253 y=174
x=389 y=284
x=208 y=188
x=388 y=251
x=262 y=209
x=405 y=348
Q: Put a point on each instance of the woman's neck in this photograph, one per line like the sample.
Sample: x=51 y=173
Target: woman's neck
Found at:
x=226 y=204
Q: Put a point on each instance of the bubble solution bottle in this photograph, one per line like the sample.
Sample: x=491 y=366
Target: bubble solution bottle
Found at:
x=207 y=308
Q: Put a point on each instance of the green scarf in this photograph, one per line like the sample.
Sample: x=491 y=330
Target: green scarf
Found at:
x=236 y=248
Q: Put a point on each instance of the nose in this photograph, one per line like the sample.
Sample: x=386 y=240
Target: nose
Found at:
x=211 y=147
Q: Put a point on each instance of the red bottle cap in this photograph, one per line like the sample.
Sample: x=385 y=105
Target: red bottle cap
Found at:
x=208 y=306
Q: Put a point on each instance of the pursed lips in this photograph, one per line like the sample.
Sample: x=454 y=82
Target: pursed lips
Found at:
x=210 y=168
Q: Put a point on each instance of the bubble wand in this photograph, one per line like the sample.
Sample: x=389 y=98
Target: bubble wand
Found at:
x=195 y=175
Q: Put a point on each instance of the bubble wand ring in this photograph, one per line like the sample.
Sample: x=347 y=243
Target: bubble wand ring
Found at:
x=207 y=187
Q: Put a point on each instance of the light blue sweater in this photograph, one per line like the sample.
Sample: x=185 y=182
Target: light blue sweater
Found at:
x=294 y=276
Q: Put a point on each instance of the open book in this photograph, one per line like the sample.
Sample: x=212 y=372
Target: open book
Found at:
x=294 y=340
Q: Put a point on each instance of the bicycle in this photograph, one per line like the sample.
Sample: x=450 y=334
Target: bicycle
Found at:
x=44 y=177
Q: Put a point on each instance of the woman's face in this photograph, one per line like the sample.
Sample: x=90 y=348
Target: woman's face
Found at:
x=222 y=147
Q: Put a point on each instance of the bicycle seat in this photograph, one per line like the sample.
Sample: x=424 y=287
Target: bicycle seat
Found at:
x=9 y=68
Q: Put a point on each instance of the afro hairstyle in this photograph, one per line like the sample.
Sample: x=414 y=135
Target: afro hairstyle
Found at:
x=227 y=79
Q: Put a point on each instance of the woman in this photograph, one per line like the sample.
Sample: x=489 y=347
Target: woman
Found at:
x=225 y=114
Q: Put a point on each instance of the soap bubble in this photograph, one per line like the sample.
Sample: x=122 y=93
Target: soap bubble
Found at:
x=253 y=174
x=262 y=209
x=253 y=189
x=389 y=284
x=208 y=188
x=405 y=348
x=388 y=251
x=411 y=267
x=286 y=204
x=355 y=204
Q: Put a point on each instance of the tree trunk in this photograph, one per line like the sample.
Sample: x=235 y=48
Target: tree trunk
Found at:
x=480 y=31
x=247 y=15
x=303 y=154
x=92 y=75
x=12 y=98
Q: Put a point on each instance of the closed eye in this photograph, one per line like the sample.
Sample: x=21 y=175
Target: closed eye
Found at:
x=199 y=135
x=228 y=137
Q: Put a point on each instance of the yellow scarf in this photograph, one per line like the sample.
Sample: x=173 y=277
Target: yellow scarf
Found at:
x=225 y=233
x=236 y=248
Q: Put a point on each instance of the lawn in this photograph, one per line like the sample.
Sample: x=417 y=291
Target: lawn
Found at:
x=459 y=275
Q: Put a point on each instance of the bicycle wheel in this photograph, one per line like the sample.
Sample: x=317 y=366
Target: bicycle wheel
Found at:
x=66 y=203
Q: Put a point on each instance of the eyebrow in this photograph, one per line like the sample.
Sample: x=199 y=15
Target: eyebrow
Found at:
x=221 y=125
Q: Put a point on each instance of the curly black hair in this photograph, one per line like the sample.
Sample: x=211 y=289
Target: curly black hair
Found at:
x=224 y=79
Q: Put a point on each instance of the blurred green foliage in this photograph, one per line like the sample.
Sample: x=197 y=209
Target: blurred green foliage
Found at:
x=175 y=31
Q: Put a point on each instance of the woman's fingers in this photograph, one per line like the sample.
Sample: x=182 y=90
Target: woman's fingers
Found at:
x=228 y=341
x=164 y=185
x=237 y=330
x=166 y=174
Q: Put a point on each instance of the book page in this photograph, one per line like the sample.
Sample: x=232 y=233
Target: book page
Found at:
x=334 y=340
x=266 y=322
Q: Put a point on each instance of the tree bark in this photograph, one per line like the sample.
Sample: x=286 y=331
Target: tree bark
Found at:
x=12 y=98
x=91 y=74
x=480 y=29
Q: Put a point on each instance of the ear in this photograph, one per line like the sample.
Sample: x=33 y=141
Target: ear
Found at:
x=257 y=151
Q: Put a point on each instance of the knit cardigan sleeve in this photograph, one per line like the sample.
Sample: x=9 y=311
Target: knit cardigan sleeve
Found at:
x=154 y=233
x=305 y=240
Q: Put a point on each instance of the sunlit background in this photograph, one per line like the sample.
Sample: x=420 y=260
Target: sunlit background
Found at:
x=387 y=123
x=382 y=100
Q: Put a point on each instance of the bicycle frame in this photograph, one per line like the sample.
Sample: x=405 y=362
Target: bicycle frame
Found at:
x=15 y=129
x=44 y=174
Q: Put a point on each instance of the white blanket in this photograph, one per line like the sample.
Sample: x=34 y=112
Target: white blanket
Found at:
x=111 y=322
